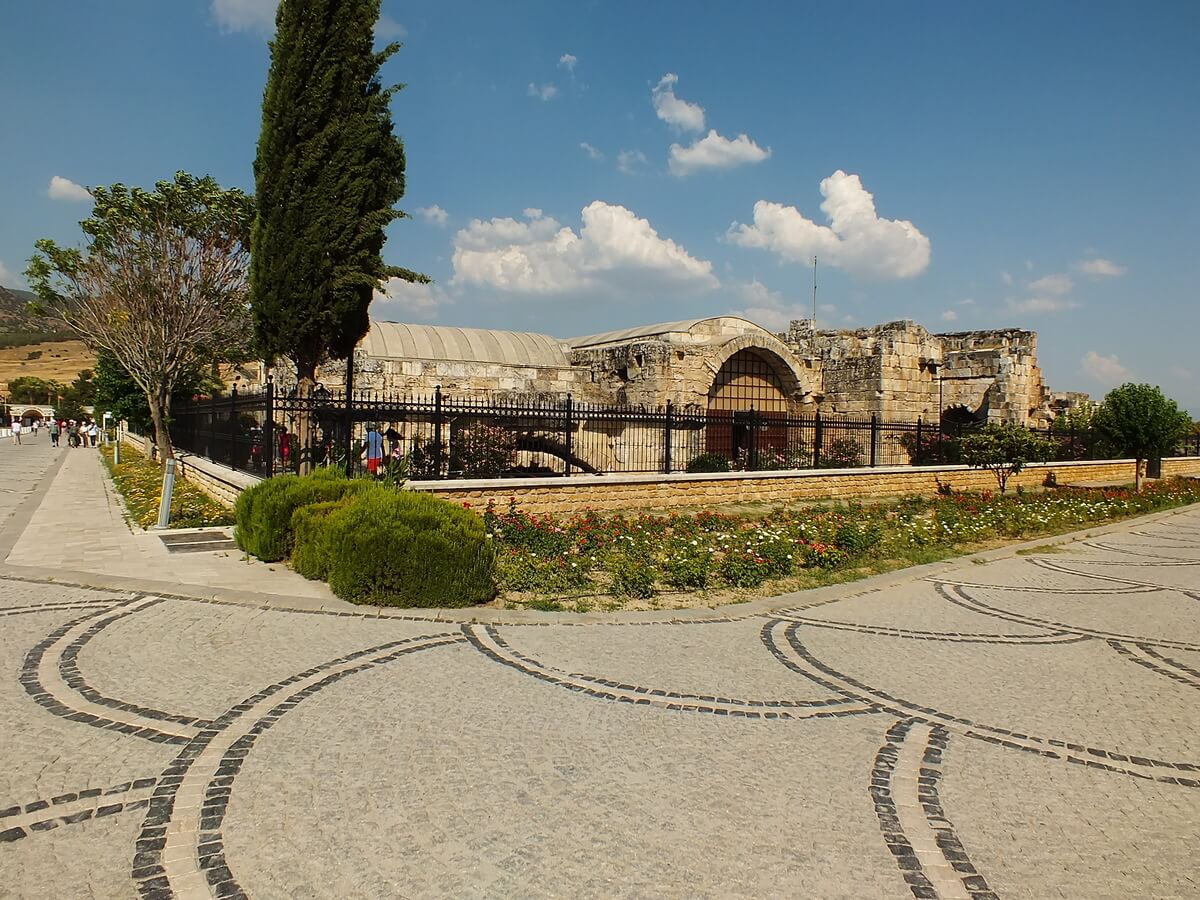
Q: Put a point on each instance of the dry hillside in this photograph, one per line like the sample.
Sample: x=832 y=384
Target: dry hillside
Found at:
x=57 y=361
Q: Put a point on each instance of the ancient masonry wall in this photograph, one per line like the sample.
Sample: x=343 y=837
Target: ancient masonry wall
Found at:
x=615 y=492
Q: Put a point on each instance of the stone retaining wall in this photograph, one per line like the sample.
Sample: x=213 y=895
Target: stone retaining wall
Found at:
x=618 y=492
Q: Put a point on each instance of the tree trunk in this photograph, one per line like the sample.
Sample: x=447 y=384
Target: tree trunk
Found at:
x=160 y=403
x=306 y=381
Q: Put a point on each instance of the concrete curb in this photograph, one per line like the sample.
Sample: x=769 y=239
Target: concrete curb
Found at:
x=730 y=612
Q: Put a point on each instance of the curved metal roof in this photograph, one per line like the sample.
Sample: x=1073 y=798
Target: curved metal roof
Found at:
x=642 y=331
x=393 y=340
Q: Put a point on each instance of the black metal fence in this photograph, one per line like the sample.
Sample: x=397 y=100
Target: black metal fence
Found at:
x=266 y=432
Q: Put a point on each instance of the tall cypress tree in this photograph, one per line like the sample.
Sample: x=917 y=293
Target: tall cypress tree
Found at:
x=327 y=174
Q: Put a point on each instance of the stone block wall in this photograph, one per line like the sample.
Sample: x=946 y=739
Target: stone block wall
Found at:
x=616 y=492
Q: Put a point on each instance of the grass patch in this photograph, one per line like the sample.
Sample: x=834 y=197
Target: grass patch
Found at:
x=1040 y=550
x=139 y=482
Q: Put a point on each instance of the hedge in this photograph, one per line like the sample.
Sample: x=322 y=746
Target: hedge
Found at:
x=264 y=512
x=391 y=547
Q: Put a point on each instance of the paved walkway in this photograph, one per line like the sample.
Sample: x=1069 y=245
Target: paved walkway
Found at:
x=1023 y=727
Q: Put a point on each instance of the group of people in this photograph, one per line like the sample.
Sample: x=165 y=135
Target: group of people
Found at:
x=83 y=433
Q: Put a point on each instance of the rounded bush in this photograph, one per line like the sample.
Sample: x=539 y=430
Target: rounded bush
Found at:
x=392 y=547
x=708 y=462
x=264 y=512
x=309 y=554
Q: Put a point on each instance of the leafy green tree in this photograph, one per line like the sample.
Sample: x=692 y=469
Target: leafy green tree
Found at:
x=117 y=392
x=160 y=285
x=328 y=173
x=1137 y=420
x=1004 y=450
x=30 y=389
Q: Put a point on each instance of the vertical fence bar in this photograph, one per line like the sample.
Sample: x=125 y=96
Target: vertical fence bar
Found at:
x=668 y=424
x=269 y=427
x=752 y=454
x=233 y=428
x=818 y=439
x=348 y=439
x=919 y=457
x=874 y=438
x=437 y=431
x=568 y=433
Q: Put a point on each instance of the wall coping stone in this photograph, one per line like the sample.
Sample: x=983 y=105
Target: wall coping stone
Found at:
x=592 y=481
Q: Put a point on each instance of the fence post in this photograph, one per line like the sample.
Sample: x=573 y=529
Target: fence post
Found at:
x=1071 y=431
x=437 y=431
x=348 y=440
x=668 y=425
x=233 y=428
x=919 y=456
x=752 y=450
x=874 y=437
x=210 y=441
x=568 y=430
x=818 y=439
x=268 y=438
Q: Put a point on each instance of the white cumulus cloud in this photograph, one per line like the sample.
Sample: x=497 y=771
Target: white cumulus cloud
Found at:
x=542 y=91
x=66 y=189
x=614 y=250
x=949 y=316
x=6 y=276
x=675 y=112
x=1180 y=372
x=388 y=29
x=591 y=151
x=245 y=15
x=434 y=214
x=568 y=61
x=1102 y=268
x=1055 y=285
x=715 y=152
x=1042 y=304
x=402 y=301
x=631 y=161
x=1105 y=369
x=856 y=240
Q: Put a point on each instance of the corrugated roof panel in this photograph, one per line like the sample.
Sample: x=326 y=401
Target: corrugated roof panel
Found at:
x=517 y=348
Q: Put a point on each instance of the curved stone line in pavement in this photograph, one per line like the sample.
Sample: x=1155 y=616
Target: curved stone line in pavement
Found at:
x=804 y=662
x=57 y=607
x=180 y=849
x=1160 y=665
x=487 y=641
x=1077 y=592
x=1167 y=560
x=1190 y=542
x=1054 y=637
x=76 y=806
x=43 y=681
x=904 y=790
x=1053 y=566
x=68 y=667
x=975 y=605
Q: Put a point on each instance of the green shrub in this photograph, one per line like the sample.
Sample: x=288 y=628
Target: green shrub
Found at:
x=401 y=548
x=708 y=462
x=857 y=537
x=264 y=512
x=309 y=554
x=687 y=571
x=632 y=577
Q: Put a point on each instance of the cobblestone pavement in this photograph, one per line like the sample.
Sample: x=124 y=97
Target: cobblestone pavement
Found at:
x=1020 y=728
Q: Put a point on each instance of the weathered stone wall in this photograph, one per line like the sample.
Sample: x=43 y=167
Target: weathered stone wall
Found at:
x=616 y=492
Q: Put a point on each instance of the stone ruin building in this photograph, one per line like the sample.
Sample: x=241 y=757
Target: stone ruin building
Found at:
x=896 y=372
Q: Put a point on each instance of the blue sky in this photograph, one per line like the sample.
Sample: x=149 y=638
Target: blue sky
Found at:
x=578 y=167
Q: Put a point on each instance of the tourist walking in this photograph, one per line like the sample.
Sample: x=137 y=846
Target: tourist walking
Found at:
x=93 y=431
x=374 y=449
x=37 y=423
x=54 y=431
x=16 y=430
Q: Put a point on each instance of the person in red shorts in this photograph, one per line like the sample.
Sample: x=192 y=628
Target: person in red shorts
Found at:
x=373 y=450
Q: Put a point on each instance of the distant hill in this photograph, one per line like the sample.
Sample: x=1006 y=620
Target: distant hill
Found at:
x=19 y=329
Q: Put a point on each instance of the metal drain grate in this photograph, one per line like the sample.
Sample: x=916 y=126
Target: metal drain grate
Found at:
x=197 y=542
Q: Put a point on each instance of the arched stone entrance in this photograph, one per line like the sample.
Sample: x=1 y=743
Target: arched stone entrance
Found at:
x=748 y=403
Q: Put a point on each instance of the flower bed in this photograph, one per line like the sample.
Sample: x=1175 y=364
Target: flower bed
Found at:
x=139 y=481
x=589 y=561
